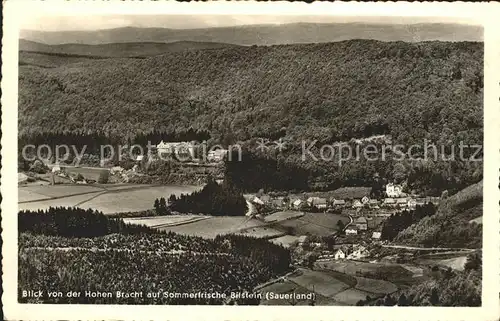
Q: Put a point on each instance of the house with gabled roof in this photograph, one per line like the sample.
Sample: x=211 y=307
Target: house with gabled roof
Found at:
x=319 y=202
x=357 y=204
x=338 y=203
x=373 y=204
x=339 y=254
x=361 y=223
x=351 y=230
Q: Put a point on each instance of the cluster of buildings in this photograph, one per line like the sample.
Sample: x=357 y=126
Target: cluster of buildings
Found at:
x=187 y=151
x=339 y=251
x=395 y=199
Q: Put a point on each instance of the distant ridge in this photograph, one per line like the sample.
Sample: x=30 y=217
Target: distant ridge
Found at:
x=119 y=50
x=266 y=34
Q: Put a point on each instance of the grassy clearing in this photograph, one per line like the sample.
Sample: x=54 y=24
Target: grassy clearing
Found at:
x=159 y=221
x=320 y=224
x=26 y=195
x=134 y=200
x=375 y=286
x=59 y=190
x=351 y=296
x=285 y=215
x=108 y=199
x=286 y=240
x=386 y=271
x=60 y=202
x=214 y=226
x=319 y=282
x=261 y=231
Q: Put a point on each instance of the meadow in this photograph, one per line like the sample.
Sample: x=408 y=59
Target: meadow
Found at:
x=164 y=221
x=214 y=226
x=320 y=224
x=108 y=199
x=331 y=288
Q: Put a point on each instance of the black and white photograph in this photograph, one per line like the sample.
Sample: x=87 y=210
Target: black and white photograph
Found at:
x=249 y=160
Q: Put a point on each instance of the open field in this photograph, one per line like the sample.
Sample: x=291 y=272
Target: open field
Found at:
x=375 y=286
x=62 y=202
x=214 y=226
x=454 y=260
x=331 y=288
x=320 y=224
x=136 y=199
x=390 y=271
x=164 y=221
x=49 y=191
x=285 y=240
x=262 y=231
x=351 y=296
x=105 y=198
x=457 y=263
x=26 y=195
x=319 y=282
x=284 y=215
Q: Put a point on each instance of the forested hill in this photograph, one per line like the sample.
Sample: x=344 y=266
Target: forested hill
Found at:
x=328 y=91
x=118 y=50
x=267 y=34
x=451 y=225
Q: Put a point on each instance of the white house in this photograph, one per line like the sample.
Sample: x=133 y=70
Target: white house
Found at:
x=357 y=204
x=365 y=200
x=338 y=203
x=56 y=169
x=358 y=253
x=376 y=235
x=257 y=200
x=373 y=204
x=393 y=190
x=297 y=203
x=339 y=254
x=319 y=202
x=351 y=230
x=182 y=149
x=412 y=204
x=217 y=155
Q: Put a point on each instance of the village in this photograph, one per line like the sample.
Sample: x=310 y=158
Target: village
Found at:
x=363 y=215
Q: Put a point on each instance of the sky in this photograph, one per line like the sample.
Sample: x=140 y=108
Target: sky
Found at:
x=96 y=22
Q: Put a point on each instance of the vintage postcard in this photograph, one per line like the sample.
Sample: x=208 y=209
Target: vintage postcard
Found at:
x=250 y=161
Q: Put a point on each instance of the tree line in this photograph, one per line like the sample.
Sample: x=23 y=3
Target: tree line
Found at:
x=215 y=199
x=399 y=221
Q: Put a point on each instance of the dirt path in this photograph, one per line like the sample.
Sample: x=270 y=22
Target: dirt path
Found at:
x=416 y=248
x=60 y=197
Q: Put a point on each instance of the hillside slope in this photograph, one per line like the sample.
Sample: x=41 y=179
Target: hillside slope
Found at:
x=450 y=225
x=119 y=50
x=266 y=34
x=328 y=91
